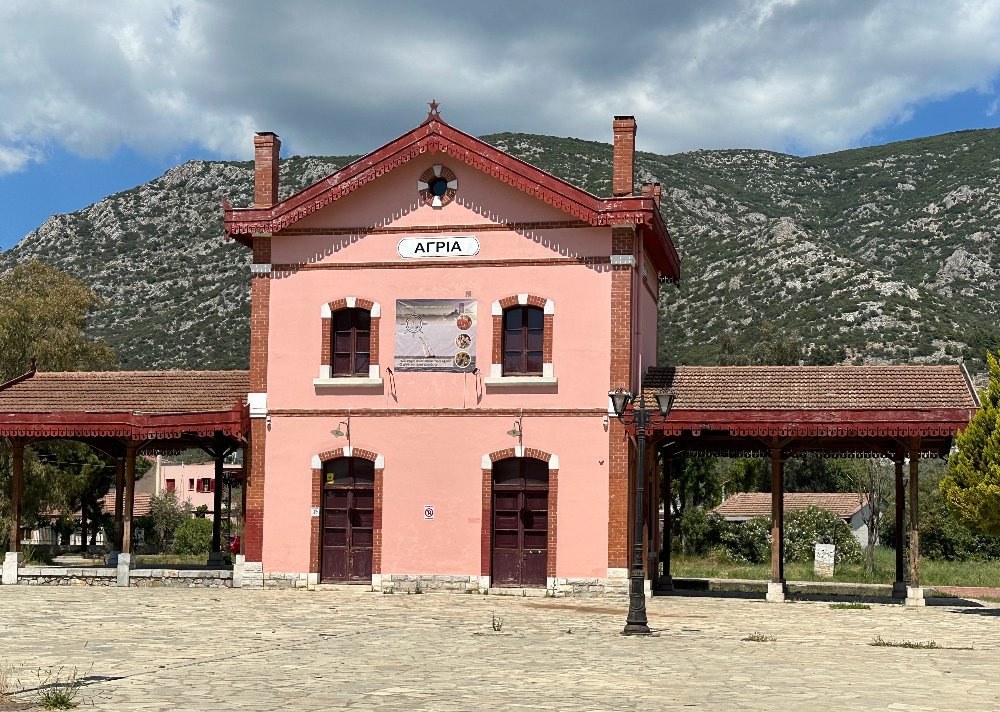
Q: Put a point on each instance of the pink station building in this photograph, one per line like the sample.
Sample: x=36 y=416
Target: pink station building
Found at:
x=434 y=332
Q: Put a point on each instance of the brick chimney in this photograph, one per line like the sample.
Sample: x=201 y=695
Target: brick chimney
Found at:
x=654 y=191
x=622 y=182
x=267 y=148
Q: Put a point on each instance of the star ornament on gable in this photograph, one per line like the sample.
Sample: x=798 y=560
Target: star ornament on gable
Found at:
x=434 y=113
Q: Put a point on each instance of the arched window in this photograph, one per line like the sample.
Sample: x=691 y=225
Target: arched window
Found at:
x=350 y=335
x=523 y=340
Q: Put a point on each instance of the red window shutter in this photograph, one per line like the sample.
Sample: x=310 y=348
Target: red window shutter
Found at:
x=211 y=485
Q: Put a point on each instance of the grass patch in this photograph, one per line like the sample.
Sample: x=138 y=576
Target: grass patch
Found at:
x=758 y=637
x=850 y=606
x=170 y=559
x=932 y=572
x=879 y=642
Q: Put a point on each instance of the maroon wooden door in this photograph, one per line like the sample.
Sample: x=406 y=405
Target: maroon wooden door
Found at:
x=348 y=520
x=520 y=522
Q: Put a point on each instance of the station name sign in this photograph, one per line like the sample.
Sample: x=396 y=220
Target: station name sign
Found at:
x=440 y=246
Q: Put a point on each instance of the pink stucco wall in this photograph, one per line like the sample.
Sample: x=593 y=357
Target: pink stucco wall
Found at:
x=437 y=459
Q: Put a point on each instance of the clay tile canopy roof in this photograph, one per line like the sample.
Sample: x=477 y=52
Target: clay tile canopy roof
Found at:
x=138 y=404
x=813 y=387
x=753 y=504
x=816 y=401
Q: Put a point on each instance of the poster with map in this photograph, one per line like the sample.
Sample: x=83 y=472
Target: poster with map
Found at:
x=435 y=335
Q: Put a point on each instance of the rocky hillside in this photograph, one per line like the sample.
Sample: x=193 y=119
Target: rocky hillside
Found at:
x=877 y=254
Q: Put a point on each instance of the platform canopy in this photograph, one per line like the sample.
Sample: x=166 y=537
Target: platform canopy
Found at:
x=140 y=405
x=903 y=413
x=849 y=409
x=123 y=414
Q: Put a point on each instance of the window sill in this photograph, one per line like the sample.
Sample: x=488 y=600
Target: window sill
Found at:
x=359 y=382
x=521 y=381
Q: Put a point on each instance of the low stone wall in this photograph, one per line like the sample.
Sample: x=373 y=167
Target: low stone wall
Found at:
x=165 y=578
x=59 y=576
x=138 y=578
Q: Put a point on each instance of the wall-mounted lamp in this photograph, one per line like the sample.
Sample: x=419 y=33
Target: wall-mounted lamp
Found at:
x=517 y=431
x=346 y=432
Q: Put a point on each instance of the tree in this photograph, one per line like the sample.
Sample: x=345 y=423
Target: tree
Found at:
x=43 y=313
x=166 y=514
x=873 y=479
x=972 y=485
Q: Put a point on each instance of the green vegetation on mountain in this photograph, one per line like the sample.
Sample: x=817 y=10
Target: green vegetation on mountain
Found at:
x=877 y=254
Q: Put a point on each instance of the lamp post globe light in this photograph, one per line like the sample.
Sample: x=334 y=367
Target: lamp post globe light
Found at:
x=642 y=418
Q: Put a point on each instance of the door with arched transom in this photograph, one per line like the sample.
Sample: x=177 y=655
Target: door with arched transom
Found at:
x=348 y=520
x=520 y=522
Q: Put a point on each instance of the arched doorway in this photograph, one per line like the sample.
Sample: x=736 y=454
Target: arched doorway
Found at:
x=520 y=522
x=348 y=518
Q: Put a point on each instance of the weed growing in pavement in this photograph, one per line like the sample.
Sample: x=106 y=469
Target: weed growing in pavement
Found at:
x=758 y=637
x=879 y=642
x=417 y=588
x=497 y=623
x=850 y=606
x=58 y=690
x=7 y=680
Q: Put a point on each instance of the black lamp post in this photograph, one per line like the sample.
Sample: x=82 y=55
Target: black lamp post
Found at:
x=643 y=419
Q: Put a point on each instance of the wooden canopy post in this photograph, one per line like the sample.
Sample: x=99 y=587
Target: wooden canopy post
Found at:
x=653 y=506
x=130 y=450
x=666 y=580
x=17 y=493
x=776 y=588
x=217 y=555
x=914 y=593
x=899 y=585
x=119 y=499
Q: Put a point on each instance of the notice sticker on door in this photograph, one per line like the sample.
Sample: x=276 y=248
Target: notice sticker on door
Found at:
x=429 y=511
x=315 y=511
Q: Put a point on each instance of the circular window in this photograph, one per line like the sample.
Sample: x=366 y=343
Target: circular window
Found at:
x=437 y=186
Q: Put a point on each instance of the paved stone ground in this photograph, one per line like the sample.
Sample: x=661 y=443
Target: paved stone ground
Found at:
x=192 y=649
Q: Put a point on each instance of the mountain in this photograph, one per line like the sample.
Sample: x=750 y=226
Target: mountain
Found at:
x=877 y=254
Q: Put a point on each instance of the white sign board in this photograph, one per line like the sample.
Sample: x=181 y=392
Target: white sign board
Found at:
x=428 y=511
x=314 y=511
x=442 y=246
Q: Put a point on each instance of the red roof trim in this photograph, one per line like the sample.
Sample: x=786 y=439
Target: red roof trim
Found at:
x=820 y=423
x=436 y=136
x=138 y=426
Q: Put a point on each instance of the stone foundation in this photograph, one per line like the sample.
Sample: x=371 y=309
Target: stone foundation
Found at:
x=137 y=578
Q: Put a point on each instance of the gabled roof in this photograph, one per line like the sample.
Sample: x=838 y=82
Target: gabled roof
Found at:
x=754 y=504
x=142 y=504
x=436 y=136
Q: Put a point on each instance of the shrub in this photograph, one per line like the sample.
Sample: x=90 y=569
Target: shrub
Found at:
x=700 y=530
x=805 y=528
x=193 y=536
x=748 y=541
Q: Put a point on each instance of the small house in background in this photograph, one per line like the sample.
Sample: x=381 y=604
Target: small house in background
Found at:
x=848 y=506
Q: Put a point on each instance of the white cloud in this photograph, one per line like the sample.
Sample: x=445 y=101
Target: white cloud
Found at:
x=332 y=77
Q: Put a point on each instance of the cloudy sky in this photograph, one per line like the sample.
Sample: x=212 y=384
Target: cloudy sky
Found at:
x=100 y=95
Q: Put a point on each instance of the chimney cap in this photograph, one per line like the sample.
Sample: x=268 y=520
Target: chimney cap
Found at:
x=267 y=133
x=624 y=118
